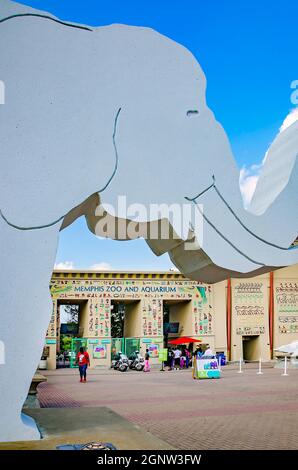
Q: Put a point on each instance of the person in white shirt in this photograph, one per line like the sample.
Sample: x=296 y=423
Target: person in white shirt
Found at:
x=177 y=354
x=208 y=351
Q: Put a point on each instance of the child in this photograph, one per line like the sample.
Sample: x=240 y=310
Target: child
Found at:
x=147 y=365
x=187 y=358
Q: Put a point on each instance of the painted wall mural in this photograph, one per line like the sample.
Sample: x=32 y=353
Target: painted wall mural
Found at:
x=249 y=307
x=202 y=309
x=99 y=317
x=152 y=317
x=52 y=331
x=100 y=292
x=286 y=305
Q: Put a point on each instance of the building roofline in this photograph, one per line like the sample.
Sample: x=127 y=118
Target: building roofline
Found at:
x=114 y=274
x=112 y=271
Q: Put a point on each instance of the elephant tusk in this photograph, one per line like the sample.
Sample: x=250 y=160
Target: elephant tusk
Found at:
x=193 y=199
x=224 y=237
x=213 y=185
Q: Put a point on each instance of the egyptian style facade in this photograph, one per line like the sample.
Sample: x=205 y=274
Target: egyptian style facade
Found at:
x=245 y=318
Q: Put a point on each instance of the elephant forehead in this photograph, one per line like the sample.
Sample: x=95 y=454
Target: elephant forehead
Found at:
x=63 y=89
x=126 y=61
x=151 y=66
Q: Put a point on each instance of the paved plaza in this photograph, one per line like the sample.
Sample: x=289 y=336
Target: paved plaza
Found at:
x=238 y=411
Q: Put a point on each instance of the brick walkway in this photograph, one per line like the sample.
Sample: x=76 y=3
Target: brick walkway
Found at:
x=239 y=411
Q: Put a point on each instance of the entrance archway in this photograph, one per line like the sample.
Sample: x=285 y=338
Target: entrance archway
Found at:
x=125 y=326
x=72 y=321
x=177 y=318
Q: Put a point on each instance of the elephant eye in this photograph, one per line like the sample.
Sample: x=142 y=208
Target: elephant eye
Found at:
x=191 y=112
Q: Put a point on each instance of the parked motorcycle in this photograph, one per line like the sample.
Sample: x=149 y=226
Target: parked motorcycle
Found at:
x=136 y=361
x=120 y=362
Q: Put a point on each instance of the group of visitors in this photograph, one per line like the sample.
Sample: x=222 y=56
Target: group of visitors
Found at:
x=179 y=358
x=182 y=358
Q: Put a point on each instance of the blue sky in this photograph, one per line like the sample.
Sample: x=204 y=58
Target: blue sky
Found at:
x=248 y=51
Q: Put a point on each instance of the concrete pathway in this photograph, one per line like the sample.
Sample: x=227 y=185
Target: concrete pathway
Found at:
x=239 y=411
x=83 y=425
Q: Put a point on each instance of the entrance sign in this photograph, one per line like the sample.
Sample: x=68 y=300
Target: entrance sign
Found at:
x=153 y=350
x=99 y=351
x=206 y=369
x=163 y=355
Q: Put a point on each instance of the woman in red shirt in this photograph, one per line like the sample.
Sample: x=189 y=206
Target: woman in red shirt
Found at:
x=83 y=361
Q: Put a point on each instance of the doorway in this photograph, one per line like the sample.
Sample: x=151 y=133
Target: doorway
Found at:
x=125 y=326
x=251 y=348
x=177 y=319
x=72 y=321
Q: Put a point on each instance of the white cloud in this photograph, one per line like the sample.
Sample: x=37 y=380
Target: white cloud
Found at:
x=65 y=265
x=290 y=119
x=249 y=175
x=174 y=269
x=248 y=180
x=103 y=266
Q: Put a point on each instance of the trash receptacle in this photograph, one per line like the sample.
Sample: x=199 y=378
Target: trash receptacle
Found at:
x=43 y=364
x=222 y=360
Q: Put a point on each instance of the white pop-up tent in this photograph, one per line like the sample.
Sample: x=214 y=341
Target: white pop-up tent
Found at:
x=290 y=349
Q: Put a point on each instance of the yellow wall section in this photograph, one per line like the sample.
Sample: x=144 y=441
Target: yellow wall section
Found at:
x=132 y=321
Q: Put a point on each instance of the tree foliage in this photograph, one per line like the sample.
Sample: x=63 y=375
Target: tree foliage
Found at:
x=65 y=343
x=72 y=312
x=117 y=320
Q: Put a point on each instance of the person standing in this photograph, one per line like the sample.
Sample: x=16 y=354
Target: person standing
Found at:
x=83 y=361
x=147 y=365
x=171 y=359
x=208 y=352
x=198 y=352
x=187 y=357
x=177 y=354
x=65 y=356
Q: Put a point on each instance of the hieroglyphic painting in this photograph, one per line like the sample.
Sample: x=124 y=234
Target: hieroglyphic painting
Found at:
x=202 y=310
x=286 y=305
x=51 y=331
x=152 y=317
x=249 y=307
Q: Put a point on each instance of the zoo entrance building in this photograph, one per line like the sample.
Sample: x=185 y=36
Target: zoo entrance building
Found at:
x=240 y=317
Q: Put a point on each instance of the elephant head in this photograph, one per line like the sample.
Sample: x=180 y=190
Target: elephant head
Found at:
x=64 y=94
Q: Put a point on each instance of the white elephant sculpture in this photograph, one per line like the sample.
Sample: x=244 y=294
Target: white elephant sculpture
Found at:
x=91 y=114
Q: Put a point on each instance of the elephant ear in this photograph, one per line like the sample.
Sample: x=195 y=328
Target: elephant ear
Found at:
x=277 y=169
